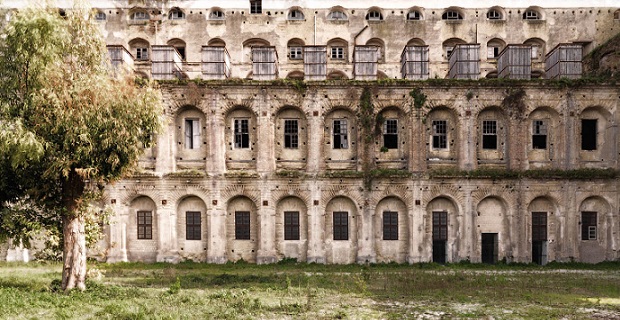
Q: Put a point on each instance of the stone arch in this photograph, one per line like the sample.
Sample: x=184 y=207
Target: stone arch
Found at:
x=538 y=48
x=340 y=138
x=291 y=223
x=415 y=13
x=391 y=230
x=544 y=136
x=492 y=218
x=341 y=247
x=291 y=138
x=240 y=136
x=337 y=75
x=542 y=228
x=593 y=226
x=216 y=42
x=449 y=45
x=238 y=246
x=333 y=45
x=416 y=42
x=180 y=45
x=296 y=75
x=191 y=138
x=295 y=13
x=140 y=49
x=240 y=190
x=453 y=13
x=295 y=49
x=216 y=13
x=496 y=13
x=442 y=224
x=399 y=191
x=494 y=47
x=595 y=139
x=378 y=42
x=247 y=48
x=337 y=13
x=534 y=13
x=375 y=14
x=191 y=225
x=442 y=127
x=142 y=229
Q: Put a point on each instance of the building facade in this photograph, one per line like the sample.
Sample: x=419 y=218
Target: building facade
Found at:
x=332 y=134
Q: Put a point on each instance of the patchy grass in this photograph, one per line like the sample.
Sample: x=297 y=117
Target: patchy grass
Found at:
x=290 y=290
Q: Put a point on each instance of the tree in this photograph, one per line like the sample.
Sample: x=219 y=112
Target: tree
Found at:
x=68 y=126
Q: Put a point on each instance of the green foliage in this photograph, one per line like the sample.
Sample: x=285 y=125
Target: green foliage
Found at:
x=175 y=287
x=493 y=173
x=419 y=98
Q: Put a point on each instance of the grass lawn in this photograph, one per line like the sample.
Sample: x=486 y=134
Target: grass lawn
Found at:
x=290 y=290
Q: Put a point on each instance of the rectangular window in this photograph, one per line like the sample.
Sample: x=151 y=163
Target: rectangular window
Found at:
x=142 y=53
x=192 y=134
x=291 y=134
x=341 y=225
x=242 y=134
x=145 y=225
x=539 y=134
x=390 y=134
x=539 y=226
x=440 y=134
x=192 y=225
x=242 y=225
x=341 y=140
x=588 y=225
x=291 y=225
x=337 y=53
x=440 y=225
x=256 y=6
x=489 y=134
x=588 y=134
x=492 y=52
x=295 y=53
x=390 y=225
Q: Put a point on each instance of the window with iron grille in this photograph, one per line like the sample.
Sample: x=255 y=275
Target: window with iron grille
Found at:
x=256 y=6
x=588 y=134
x=588 y=225
x=291 y=134
x=374 y=15
x=145 y=225
x=192 y=134
x=390 y=134
x=440 y=134
x=295 y=53
x=291 y=225
x=440 y=225
x=539 y=134
x=341 y=140
x=341 y=225
x=192 y=225
x=489 y=134
x=390 y=225
x=539 y=226
x=142 y=53
x=337 y=53
x=242 y=134
x=242 y=225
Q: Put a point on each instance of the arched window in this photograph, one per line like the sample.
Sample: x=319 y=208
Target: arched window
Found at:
x=337 y=49
x=452 y=14
x=176 y=14
x=538 y=48
x=139 y=15
x=179 y=45
x=378 y=43
x=495 y=14
x=139 y=48
x=295 y=49
x=449 y=45
x=216 y=14
x=295 y=14
x=494 y=47
x=531 y=14
x=216 y=42
x=374 y=15
x=414 y=15
x=617 y=15
x=337 y=15
x=100 y=16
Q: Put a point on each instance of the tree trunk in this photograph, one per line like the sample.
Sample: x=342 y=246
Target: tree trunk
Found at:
x=74 y=253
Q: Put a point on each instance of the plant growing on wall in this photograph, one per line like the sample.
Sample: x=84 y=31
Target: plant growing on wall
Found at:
x=68 y=127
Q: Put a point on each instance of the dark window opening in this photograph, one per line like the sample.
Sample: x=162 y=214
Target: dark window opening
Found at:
x=451 y=15
x=588 y=225
x=390 y=134
x=192 y=134
x=341 y=225
x=145 y=225
x=588 y=134
x=242 y=133
x=291 y=225
x=242 y=225
x=494 y=15
x=341 y=140
x=256 y=6
x=414 y=15
x=374 y=15
x=192 y=225
x=181 y=51
x=489 y=248
x=440 y=134
x=539 y=134
x=539 y=226
x=440 y=236
x=291 y=134
x=489 y=134
x=390 y=225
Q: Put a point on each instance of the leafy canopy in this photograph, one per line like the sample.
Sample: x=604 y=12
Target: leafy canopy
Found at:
x=66 y=121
